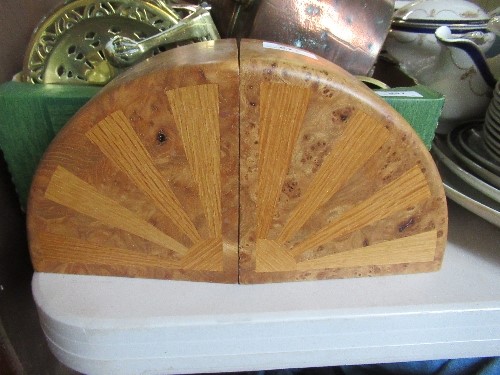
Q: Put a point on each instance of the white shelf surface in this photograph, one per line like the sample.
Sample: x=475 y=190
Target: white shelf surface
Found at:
x=106 y=325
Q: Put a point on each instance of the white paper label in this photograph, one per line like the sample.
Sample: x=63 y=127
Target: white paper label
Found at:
x=289 y=49
x=406 y=94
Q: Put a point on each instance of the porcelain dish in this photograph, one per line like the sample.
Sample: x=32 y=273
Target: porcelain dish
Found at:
x=469 y=198
x=471 y=140
x=442 y=45
x=492 y=126
x=454 y=144
x=462 y=186
x=426 y=16
x=446 y=157
x=411 y=40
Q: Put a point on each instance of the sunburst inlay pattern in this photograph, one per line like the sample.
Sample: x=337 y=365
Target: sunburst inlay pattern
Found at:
x=116 y=139
x=282 y=112
x=70 y=191
x=281 y=116
x=408 y=190
x=356 y=145
x=83 y=252
x=196 y=114
x=204 y=256
x=418 y=248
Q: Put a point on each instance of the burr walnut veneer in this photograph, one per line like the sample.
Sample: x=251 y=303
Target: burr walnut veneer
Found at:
x=237 y=163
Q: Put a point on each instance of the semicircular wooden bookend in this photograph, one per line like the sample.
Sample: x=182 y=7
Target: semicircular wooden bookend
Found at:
x=252 y=163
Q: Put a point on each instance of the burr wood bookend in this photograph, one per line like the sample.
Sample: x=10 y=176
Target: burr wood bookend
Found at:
x=333 y=182
x=252 y=163
x=143 y=181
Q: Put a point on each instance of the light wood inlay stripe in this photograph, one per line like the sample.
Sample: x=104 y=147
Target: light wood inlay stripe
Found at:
x=116 y=139
x=271 y=257
x=205 y=256
x=69 y=250
x=70 y=191
x=405 y=191
x=418 y=248
x=412 y=249
x=282 y=110
x=363 y=136
x=196 y=114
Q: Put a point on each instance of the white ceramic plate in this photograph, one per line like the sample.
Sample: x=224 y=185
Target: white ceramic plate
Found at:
x=493 y=111
x=492 y=127
x=471 y=140
x=468 y=197
x=494 y=108
x=492 y=144
x=441 y=152
x=456 y=148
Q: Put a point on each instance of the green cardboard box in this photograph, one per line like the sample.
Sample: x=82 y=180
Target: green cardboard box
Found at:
x=419 y=105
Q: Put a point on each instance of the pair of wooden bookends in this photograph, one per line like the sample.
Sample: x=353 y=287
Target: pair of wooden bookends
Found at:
x=237 y=163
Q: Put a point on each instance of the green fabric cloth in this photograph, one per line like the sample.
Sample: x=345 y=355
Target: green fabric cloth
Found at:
x=30 y=117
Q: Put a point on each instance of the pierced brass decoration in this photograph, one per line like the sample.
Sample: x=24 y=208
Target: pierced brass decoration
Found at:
x=68 y=45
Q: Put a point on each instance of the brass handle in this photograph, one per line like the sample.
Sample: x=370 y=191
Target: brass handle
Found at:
x=122 y=51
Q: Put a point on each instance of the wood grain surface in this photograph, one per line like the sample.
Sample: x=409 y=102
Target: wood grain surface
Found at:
x=225 y=163
x=143 y=181
x=333 y=182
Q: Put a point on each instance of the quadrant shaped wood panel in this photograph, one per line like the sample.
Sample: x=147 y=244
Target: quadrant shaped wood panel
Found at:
x=143 y=181
x=333 y=182
x=250 y=165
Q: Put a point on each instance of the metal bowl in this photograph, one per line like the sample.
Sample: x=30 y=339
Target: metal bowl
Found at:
x=349 y=33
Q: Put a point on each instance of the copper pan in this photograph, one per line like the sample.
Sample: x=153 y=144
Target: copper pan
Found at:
x=349 y=33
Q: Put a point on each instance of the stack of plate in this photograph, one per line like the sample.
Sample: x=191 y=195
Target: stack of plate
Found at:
x=470 y=174
x=492 y=126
